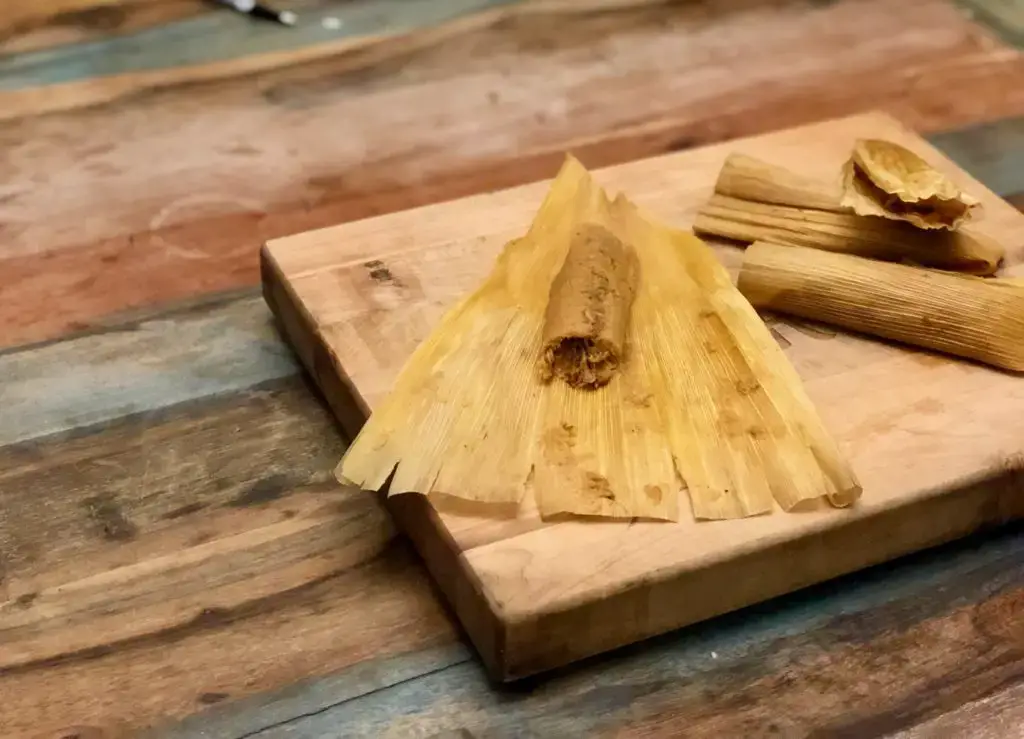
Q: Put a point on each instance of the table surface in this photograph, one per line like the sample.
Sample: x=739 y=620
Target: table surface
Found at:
x=174 y=555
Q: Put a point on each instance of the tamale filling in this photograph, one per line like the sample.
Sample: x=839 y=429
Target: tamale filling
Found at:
x=587 y=316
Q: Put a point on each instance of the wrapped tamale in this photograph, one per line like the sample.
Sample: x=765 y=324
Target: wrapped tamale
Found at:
x=588 y=309
x=884 y=179
x=961 y=315
x=755 y=201
x=847 y=233
x=746 y=178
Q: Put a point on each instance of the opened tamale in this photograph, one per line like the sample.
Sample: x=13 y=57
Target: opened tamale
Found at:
x=588 y=309
x=698 y=397
x=965 y=316
x=748 y=206
x=884 y=179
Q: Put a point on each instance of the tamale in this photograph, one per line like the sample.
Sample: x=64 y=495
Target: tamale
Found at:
x=469 y=417
x=588 y=309
x=884 y=179
x=701 y=396
x=847 y=233
x=747 y=178
x=962 y=315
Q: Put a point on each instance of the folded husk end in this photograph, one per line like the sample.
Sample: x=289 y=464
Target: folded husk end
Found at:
x=889 y=181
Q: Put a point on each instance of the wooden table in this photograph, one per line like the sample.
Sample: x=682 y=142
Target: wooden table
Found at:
x=174 y=554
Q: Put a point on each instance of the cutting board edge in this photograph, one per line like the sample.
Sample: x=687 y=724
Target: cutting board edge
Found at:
x=543 y=640
x=450 y=572
x=300 y=332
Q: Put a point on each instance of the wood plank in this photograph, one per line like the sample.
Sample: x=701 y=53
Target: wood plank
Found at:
x=1006 y=16
x=938 y=455
x=150 y=555
x=207 y=512
x=997 y=716
x=51 y=80
x=993 y=153
x=350 y=136
x=871 y=653
x=30 y=25
x=220 y=346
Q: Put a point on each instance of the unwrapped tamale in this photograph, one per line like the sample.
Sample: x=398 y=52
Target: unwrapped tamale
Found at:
x=588 y=309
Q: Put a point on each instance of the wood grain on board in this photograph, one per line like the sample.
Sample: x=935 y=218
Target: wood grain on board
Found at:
x=940 y=454
x=232 y=162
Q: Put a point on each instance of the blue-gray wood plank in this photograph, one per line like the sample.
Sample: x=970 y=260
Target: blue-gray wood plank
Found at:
x=218 y=36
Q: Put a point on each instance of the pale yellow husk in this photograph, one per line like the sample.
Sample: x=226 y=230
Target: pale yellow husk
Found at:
x=705 y=399
x=961 y=315
x=884 y=179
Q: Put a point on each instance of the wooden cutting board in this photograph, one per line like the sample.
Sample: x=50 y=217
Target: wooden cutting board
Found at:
x=936 y=442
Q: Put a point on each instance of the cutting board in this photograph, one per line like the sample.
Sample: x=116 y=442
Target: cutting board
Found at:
x=936 y=442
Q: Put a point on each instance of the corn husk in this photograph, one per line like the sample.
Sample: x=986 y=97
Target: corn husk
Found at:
x=961 y=315
x=704 y=399
x=742 y=428
x=885 y=179
x=847 y=233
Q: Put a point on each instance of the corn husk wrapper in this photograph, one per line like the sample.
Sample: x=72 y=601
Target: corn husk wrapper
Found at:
x=888 y=180
x=704 y=399
x=756 y=201
x=960 y=315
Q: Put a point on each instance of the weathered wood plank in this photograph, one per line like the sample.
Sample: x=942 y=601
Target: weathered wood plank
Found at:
x=29 y=25
x=997 y=716
x=219 y=347
x=215 y=47
x=161 y=554
x=992 y=151
x=1006 y=16
x=860 y=656
x=254 y=714
x=221 y=44
x=353 y=135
